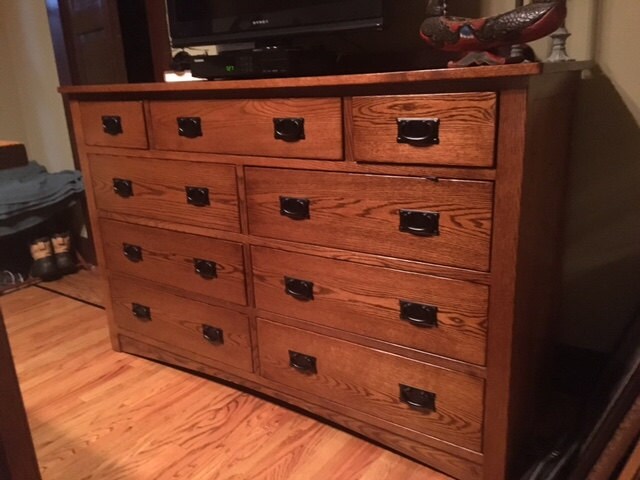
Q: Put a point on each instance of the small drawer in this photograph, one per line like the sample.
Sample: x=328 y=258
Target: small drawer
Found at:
x=292 y=128
x=212 y=332
x=453 y=129
x=425 y=398
x=445 y=222
x=114 y=124
x=189 y=262
x=437 y=315
x=200 y=194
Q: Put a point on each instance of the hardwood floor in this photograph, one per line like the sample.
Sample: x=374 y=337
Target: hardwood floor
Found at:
x=84 y=285
x=98 y=414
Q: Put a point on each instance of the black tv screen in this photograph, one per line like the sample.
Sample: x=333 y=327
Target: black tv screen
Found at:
x=201 y=22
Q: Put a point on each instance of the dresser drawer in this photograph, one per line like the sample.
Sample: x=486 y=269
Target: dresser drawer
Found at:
x=190 y=262
x=453 y=129
x=446 y=222
x=211 y=332
x=201 y=194
x=371 y=381
x=438 y=315
x=298 y=128
x=113 y=124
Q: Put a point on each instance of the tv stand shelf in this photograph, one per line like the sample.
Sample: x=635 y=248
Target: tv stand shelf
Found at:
x=380 y=250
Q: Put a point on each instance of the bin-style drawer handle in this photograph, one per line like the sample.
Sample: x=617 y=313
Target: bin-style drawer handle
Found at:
x=421 y=224
x=299 y=289
x=212 y=335
x=112 y=125
x=418 y=399
x=419 y=132
x=132 y=252
x=205 y=268
x=122 y=187
x=303 y=363
x=141 y=312
x=419 y=315
x=288 y=129
x=197 y=196
x=295 y=208
x=189 y=127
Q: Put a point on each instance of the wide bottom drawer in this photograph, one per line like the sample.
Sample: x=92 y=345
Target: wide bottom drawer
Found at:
x=211 y=332
x=425 y=398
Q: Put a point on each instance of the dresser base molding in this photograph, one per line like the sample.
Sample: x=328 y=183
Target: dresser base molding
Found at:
x=462 y=464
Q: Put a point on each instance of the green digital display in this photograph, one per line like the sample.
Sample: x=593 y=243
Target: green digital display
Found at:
x=230 y=68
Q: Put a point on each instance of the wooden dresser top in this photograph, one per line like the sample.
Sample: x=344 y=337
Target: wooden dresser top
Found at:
x=331 y=81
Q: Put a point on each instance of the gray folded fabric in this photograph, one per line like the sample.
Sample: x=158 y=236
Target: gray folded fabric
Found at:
x=21 y=222
x=31 y=188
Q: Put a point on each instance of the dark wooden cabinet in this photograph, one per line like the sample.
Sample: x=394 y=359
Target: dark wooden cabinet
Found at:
x=381 y=250
x=17 y=456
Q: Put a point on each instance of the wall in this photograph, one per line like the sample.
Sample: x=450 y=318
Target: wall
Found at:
x=31 y=110
x=602 y=267
x=601 y=275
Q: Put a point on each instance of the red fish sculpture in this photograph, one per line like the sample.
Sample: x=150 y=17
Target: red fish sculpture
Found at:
x=478 y=35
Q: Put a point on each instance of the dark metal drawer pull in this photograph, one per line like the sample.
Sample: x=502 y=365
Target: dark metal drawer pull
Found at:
x=295 y=208
x=421 y=224
x=419 y=132
x=123 y=188
x=288 y=129
x=197 y=196
x=205 y=268
x=212 y=334
x=112 y=125
x=141 y=312
x=418 y=399
x=299 y=289
x=423 y=316
x=189 y=127
x=132 y=252
x=303 y=363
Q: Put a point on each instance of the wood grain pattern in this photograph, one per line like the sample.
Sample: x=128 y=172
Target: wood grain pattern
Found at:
x=459 y=173
x=366 y=300
x=619 y=446
x=178 y=321
x=97 y=414
x=370 y=380
x=245 y=127
x=361 y=212
x=511 y=149
x=506 y=244
x=84 y=285
x=321 y=251
x=533 y=148
x=159 y=190
x=631 y=470
x=418 y=77
x=134 y=134
x=75 y=107
x=466 y=132
x=168 y=257
x=463 y=463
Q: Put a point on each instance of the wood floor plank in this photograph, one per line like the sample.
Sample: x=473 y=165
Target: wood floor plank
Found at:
x=96 y=414
x=84 y=285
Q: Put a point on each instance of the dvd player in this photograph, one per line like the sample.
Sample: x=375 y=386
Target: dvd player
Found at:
x=263 y=62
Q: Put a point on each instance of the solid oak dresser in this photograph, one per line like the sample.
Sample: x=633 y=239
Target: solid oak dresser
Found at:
x=379 y=249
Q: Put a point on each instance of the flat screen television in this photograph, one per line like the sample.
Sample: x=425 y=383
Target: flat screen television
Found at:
x=205 y=22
